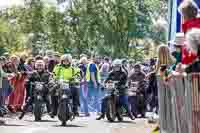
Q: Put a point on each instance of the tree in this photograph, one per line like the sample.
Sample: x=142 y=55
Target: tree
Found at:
x=100 y=26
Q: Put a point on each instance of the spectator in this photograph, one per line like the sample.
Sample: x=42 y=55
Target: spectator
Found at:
x=21 y=66
x=93 y=77
x=57 y=57
x=165 y=60
x=189 y=12
x=50 y=60
x=16 y=99
x=193 y=40
x=2 y=75
x=84 y=89
x=104 y=71
x=46 y=61
x=15 y=61
x=38 y=57
x=30 y=64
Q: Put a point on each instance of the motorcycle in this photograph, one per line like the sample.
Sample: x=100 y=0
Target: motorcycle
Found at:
x=65 y=106
x=141 y=97
x=38 y=104
x=133 y=88
x=137 y=89
x=112 y=95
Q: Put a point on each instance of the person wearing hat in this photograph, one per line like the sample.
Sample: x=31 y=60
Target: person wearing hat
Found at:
x=189 y=11
x=177 y=54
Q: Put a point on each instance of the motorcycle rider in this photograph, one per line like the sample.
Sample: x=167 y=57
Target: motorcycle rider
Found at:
x=66 y=71
x=118 y=74
x=39 y=75
x=137 y=76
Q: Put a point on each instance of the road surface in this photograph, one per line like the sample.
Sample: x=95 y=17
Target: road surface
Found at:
x=79 y=125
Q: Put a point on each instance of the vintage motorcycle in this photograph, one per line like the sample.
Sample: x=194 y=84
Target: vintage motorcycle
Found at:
x=112 y=98
x=38 y=103
x=65 y=106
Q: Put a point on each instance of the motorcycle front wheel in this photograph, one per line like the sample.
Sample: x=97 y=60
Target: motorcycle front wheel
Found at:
x=37 y=110
x=64 y=112
x=111 y=110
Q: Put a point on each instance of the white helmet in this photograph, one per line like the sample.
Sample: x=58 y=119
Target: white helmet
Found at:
x=67 y=57
x=117 y=62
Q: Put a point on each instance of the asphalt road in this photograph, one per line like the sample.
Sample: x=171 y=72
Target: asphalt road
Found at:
x=79 y=125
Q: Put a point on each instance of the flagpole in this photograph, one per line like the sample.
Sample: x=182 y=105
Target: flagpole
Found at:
x=172 y=21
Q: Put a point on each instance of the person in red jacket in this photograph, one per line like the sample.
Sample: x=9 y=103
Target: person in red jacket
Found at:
x=189 y=12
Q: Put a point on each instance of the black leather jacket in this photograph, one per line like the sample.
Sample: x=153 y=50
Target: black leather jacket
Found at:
x=43 y=76
x=122 y=78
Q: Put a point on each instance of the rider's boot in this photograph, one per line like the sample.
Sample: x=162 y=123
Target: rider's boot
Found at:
x=119 y=117
x=63 y=123
x=131 y=116
x=51 y=115
x=22 y=115
x=102 y=116
x=2 y=122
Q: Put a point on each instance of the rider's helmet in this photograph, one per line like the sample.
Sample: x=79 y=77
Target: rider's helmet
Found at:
x=117 y=62
x=117 y=65
x=66 y=59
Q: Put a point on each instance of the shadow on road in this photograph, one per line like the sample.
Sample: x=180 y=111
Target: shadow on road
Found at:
x=41 y=121
x=67 y=126
x=127 y=122
x=11 y=125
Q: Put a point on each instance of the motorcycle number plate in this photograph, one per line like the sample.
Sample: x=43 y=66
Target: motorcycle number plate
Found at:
x=64 y=96
x=39 y=86
x=65 y=86
x=110 y=86
x=39 y=97
x=132 y=94
x=134 y=88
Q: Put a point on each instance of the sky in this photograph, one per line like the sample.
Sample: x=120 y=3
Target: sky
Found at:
x=7 y=3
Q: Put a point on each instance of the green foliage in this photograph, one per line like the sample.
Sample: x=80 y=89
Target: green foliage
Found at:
x=104 y=27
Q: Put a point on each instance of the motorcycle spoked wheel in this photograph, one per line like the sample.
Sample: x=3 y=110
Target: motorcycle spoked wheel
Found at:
x=64 y=114
x=37 y=110
x=111 y=110
x=120 y=114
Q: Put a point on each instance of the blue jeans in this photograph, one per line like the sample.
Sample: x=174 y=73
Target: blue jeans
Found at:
x=123 y=102
x=84 y=100
x=4 y=91
x=1 y=98
x=94 y=98
x=133 y=105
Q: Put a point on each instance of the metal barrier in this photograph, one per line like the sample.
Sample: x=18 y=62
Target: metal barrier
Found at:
x=179 y=102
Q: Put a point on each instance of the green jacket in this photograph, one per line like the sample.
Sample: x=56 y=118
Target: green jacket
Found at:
x=65 y=73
